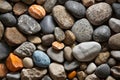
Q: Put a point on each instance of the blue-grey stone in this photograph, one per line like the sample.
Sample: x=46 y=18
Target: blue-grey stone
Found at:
x=116 y=9
x=46 y=77
x=13 y=76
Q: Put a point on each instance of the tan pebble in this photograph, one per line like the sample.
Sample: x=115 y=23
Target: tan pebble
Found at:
x=41 y=2
x=57 y=45
x=28 y=62
x=34 y=39
x=3 y=70
x=88 y=3
x=81 y=75
x=83 y=66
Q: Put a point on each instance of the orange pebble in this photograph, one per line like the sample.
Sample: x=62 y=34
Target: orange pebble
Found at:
x=3 y=70
x=14 y=63
x=57 y=45
x=37 y=11
x=72 y=74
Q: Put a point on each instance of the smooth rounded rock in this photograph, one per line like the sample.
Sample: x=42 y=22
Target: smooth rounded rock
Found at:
x=28 y=62
x=83 y=50
x=41 y=2
x=81 y=75
x=116 y=71
x=28 y=1
x=34 y=39
x=91 y=68
x=13 y=76
x=1 y=30
x=115 y=54
x=83 y=30
x=112 y=62
x=41 y=59
x=116 y=9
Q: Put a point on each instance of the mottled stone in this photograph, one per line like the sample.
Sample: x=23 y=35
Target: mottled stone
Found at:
x=81 y=75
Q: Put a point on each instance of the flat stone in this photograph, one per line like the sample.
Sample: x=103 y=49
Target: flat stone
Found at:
x=91 y=68
x=58 y=45
x=13 y=76
x=42 y=48
x=1 y=30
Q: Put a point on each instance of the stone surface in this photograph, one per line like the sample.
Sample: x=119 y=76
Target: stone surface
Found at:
x=41 y=2
x=92 y=77
x=28 y=25
x=95 y=12
x=91 y=68
x=83 y=50
x=1 y=30
x=55 y=55
x=28 y=1
x=115 y=54
x=112 y=62
x=46 y=77
x=25 y=49
x=83 y=30
x=41 y=59
x=13 y=37
x=42 y=48
x=72 y=74
x=62 y=17
x=34 y=39
x=33 y=74
x=110 y=1
x=116 y=71
x=83 y=66
x=88 y=3
x=57 y=45
x=13 y=76
x=28 y=62
x=57 y=71
x=110 y=78
x=102 y=33
x=3 y=70
x=81 y=75
x=116 y=9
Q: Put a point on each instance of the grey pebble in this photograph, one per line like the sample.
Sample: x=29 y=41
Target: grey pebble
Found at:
x=46 y=77
x=1 y=30
x=13 y=76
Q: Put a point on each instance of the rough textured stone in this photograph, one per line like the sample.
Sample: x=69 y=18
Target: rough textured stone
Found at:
x=81 y=75
x=112 y=62
x=3 y=70
x=92 y=77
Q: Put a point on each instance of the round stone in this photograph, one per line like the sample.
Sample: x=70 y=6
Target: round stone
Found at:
x=28 y=62
x=1 y=30
x=116 y=9
x=83 y=30
x=112 y=62
x=81 y=75
x=28 y=1
x=115 y=54
x=102 y=33
x=98 y=13
x=75 y=8
x=91 y=68
x=41 y=59
x=47 y=24
x=34 y=39
x=28 y=25
x=83 y=50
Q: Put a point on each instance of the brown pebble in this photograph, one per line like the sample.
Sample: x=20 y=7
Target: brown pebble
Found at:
x=81 y=75
x=3 y=70
x=88 y=3
x=83 y=66
x=57 y=45
x=41 y=2
x=34 y=39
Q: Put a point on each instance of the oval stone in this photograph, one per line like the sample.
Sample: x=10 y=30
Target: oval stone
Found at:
x=1 y=30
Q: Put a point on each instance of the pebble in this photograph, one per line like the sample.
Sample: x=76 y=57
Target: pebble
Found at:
x=75 y=78
x=71 y=65
x=28 y=1
x=62 y=17
x=41 y=2
x=81 y=75
x=83 y=50
x=92 y=77
x=59 y=34
x=116 y=9
x=13 y=36
x=103 y=71
x=13 y=76
x=102 y=33
x=83 y=66
x=34 y=39
x=37 y=11
x=48 y=39
x=88 y=3
x=72 y=74
x=49 y=4
x=118 y=0
x=20 y=8
x=83 y=30
x=57 y=45
x=102 y=58
x=57 y=71
x=5 y=6
x=62 y=1
x=8 y=19
x=57 y=56
x=28 y=25
x=42 y=48
x=115 y=54
x=95 y=12
x=46 y=77
x=91 y=68
x=110 y=1
x=1 y=30
x=114 y=42
x=114 y=24
x=25 y=49
x=68 y=53
x=111 y=62
x=41 y=59
x=116 y=71
x=28 y=62
x=3 y=70
x=69 y=37
x=47 y=24
x=75 y=8
x=14 y=63
x=4 y=50
x=110 y=78
x=33 y=74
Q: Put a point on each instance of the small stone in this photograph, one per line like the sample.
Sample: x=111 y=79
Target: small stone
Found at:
x=13 y=76
x=34 y=39
x=1 y=30
x=83 y=30
x=102 y=58
x=88 y=3
x=3 y=70
x=72 y=74
x=110 y=78
x=83 y=66
x=28 y=25
x=48 y=39
x=62 y=17
x=75 y=8
x=37 y=11
x=42 y=48
x=15 y=0
x=13 y=37
x=114 y=42
x=55 y=55
x=118 y=0
x=49 y=4
x=47 y=24
x=25 y=49
x=115 y=24
x=116 y=71
x=8 y=19
x=41 y=59
x=102 y=33
x=5 y=6
x=116 y=9
x=75 y=78
x=102 y=71
x=83 y=50
x=33 y=74
x=110 y=1
x=81 y=75
x=28 y=62
x=112 y=62
x=59 y=34
x=57 y=71
x=19 y=8
x=71 y=65
x=91 y=68
x=57 y=45
x=41 y=2
x=115 y=54
x=69 y=37
x=68 y=53
x=99 y=13
x=62 y=1
x=28 y=1
x=92 y=77
x=14 y=63
x=46 y=77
